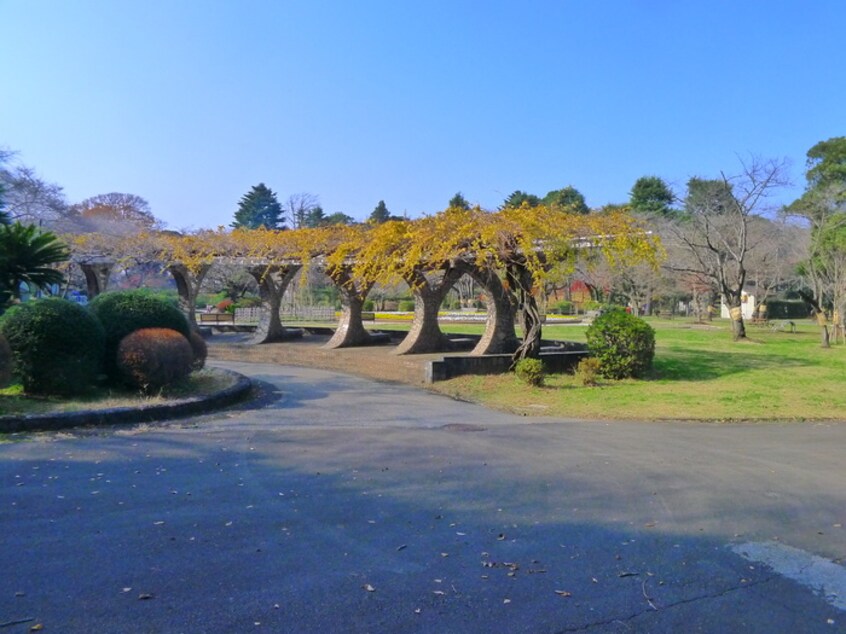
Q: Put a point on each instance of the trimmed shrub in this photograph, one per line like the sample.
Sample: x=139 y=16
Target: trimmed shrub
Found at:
x=562 y=307
x=151 y=358
x=623 y=344
x=588 y=372
x=5 y=362
x=199 y=349
x=530 y=371
x=124 y=312
x=57 y=346
x=787 y=309
x=406 y=306
x=369 y=305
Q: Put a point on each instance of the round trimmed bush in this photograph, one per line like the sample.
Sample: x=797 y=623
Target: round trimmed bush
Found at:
x=151 y=358
x=623 y=344
x=124 y=312
x=200 y=350
x=5 y=362
x=57 y=346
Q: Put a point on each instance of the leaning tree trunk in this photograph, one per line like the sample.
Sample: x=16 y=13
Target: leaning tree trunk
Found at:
x=520 y=278
x=819 y=313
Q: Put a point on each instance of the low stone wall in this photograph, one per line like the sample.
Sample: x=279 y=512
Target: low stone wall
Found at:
x=564 y=360
x=190 y=406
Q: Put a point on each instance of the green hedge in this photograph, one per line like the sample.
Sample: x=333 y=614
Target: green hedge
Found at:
x=57 y=346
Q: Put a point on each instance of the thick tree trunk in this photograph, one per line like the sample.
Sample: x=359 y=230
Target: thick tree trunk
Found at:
x=188 y=286
x=425 y=334
x=96 y=277
x=272 y=281
x=350 y=331
x=498 y=337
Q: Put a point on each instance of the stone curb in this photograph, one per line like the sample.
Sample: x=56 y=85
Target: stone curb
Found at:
x=127 y=415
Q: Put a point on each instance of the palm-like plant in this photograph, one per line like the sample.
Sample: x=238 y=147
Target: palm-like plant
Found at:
x=27 y=255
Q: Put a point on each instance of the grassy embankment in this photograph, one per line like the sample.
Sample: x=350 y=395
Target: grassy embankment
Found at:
x=699 y=373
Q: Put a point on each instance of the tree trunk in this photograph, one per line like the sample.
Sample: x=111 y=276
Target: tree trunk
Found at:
x=529 y=347
x=825 y=335
x=733 y=303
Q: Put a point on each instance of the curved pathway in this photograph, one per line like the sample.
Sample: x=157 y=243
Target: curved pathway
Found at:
x=336 y=503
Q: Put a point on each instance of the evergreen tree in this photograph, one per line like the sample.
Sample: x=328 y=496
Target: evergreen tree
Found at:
x=569 y=197
x=651 y=195
x=380 y=214
x=338 y=218
x=259 y=208
x=459 y=202
x=517 y=198
x=314 y=218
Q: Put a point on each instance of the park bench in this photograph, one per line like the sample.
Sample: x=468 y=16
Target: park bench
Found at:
x=217 y=318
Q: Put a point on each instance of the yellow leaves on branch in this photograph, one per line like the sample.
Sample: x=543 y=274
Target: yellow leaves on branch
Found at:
x=536 y=239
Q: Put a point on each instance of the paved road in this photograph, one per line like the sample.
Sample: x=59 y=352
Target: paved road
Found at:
x=336 y=504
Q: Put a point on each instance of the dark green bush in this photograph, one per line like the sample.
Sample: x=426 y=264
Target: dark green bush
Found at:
x=57 y=346
x=369 y=305
x=530 y=371
x=623 y=344
x=787 y=309
x=406 y=306
x=124 y=312
x=5 y=362
x=151 y=358
x=199 y=349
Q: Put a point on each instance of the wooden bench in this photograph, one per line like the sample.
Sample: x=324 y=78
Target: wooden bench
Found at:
x=217 y=318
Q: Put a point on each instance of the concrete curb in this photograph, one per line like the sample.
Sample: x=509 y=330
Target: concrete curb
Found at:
x=128 y=415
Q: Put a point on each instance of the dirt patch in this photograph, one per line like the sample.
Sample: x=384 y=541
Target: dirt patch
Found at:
x=376 y=362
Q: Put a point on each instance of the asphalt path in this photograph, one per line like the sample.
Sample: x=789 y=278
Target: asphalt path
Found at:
x=339 y=504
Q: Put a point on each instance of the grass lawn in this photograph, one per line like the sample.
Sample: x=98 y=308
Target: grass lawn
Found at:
x=202 y=383
x=699 y=373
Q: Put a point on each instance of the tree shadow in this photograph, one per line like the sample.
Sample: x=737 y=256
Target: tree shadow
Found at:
x=706 y=365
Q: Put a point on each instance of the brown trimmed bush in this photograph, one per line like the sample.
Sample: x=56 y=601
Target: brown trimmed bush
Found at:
x=151 y=358
x=5 y=362
x=200 y=350
x=124 y=312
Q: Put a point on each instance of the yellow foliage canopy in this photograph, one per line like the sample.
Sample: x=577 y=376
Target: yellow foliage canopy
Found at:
x=533 y=238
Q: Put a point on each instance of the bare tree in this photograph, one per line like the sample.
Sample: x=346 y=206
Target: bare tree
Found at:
x=299 y=206
x=717 y=231
x=29 y=199
x=773 y=265
x=115 y=214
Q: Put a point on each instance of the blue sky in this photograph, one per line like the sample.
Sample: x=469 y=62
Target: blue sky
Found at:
x=189 y=103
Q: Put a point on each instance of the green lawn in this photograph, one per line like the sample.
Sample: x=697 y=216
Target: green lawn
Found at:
x=699 y=373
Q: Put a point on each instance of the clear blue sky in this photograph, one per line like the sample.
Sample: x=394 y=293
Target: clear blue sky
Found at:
x=189 y=103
